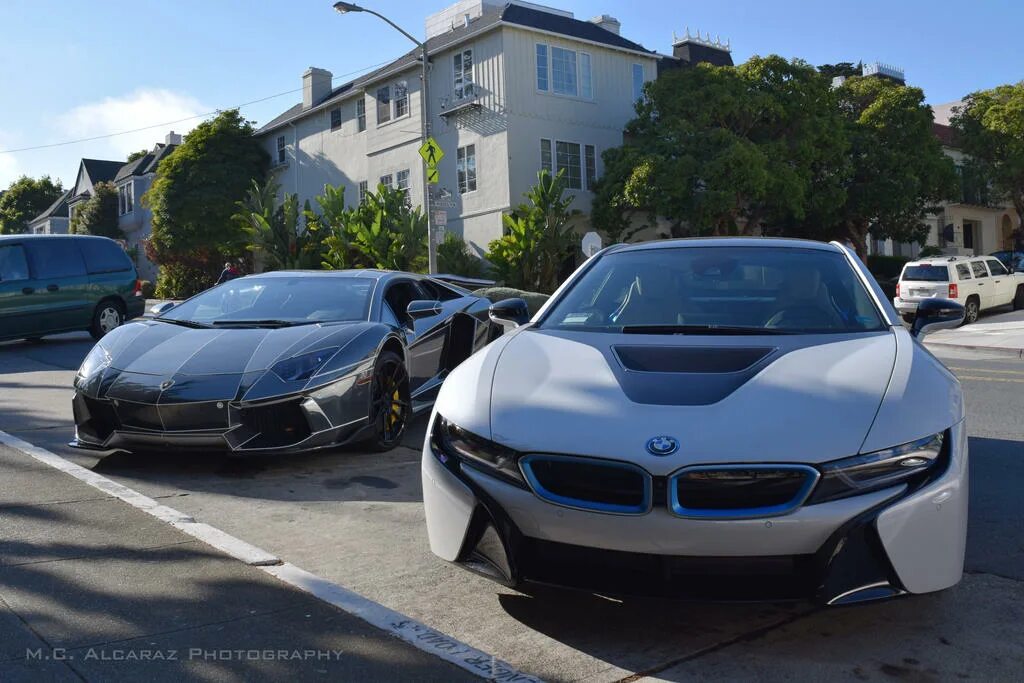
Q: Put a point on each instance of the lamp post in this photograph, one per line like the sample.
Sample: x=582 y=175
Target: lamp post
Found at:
x=345 y=8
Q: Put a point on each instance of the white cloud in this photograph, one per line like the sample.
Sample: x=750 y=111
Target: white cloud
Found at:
x=9 y=169
x=140 y=108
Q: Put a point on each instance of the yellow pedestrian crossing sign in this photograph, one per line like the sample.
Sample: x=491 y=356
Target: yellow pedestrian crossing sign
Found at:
x=433 y=175
x=431 y=152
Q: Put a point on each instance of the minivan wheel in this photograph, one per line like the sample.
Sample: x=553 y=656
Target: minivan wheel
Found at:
x=1018 y=300
x=107 y=317
x=970 y=311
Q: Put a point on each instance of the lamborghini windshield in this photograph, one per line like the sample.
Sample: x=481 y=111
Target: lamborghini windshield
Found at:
x=277 y=301
x=718 y=290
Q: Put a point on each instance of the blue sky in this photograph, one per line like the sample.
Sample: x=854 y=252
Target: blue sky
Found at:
x=71 y=69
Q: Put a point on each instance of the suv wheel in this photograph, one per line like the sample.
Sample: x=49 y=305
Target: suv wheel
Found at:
x=971 y=309
x=107 y=317
x=1018 y=300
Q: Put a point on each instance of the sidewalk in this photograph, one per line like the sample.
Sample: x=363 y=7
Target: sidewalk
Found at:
x=94 y=589
x=1002 y=333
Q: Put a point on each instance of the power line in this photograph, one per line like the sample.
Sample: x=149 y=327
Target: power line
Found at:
x=188 y=118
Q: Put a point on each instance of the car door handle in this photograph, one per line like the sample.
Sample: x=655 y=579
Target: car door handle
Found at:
x=52 y=288
x=28 y=290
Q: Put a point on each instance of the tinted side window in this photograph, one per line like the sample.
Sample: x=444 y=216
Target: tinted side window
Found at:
x=963 y=271
x=996 y=267
x=102 y=256
x=979 y=269
x=56 y=258
x=439 y=292
x=13 y=265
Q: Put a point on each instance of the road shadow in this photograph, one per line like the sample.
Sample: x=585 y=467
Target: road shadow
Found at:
x=995 y=533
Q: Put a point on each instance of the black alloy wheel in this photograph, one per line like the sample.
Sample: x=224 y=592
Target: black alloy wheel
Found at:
x=390 y=407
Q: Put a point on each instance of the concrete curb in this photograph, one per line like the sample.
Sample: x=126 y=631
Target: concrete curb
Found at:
x=1004 y=351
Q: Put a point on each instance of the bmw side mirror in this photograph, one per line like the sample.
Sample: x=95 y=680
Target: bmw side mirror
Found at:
x=161 y=308
x=423 y=309
x=936 y=314
x=509 y=313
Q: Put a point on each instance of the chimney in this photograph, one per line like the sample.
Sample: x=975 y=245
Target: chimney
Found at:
x=172 y=138
x=692 y=49
x=608 y=23
x=316 y=85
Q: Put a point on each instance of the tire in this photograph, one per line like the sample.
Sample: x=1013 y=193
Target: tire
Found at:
x=971 y=309
x=390 y=406
x=108 y=316
x=1018 y=299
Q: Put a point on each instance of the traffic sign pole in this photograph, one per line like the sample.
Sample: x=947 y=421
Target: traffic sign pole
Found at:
x=425 y=123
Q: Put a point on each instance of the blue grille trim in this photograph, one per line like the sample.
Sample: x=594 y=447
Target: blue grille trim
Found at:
x=811 y=479
x=526 y=465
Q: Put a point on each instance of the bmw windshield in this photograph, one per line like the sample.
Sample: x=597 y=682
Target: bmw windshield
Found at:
x=717 y=290
x=277 y=301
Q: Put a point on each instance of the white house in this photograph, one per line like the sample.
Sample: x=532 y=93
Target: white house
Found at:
x=514 y=88
x=54 y=220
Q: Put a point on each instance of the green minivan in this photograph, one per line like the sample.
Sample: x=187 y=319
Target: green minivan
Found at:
x=64 y=283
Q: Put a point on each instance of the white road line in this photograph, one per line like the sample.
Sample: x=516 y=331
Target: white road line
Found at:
x=396 y=624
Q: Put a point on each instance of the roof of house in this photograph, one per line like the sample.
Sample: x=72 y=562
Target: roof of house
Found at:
x=945 y=134
x=101 y=170
x=147 y=163
x=59 y=206
x=509 y=14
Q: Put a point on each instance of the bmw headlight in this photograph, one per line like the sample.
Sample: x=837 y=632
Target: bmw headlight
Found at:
x=908 y=463
x=304 y=366
x=449 y=441
x=97 y=360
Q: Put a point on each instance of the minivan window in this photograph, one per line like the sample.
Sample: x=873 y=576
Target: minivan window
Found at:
x=963 y=271
x=13 y=265
x=55 y=258
x=996 y=267
x=979 y=269
x=104 y=256
x=926 y=272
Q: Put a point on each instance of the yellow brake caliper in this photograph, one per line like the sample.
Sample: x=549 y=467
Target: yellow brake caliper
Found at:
x=395 y=409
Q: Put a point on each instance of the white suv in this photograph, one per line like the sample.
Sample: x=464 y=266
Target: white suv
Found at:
x=976 y=282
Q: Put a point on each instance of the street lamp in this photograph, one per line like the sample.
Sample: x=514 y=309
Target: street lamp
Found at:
x=347 y=7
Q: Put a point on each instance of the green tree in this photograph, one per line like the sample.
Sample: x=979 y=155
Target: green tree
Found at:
x=136 y=155
x=98 y=215
x=193 y=198
x=25 y=199
x=454 y=258
x=898 y=172
x=845 y=69
x=721 y=150
x=286 y=237
x=382 y=232
x=537 y=239
x=990 y=128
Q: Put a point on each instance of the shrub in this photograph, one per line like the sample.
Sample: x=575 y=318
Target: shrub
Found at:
x=534 y=300
x=886 y=267
x=929 y=251
x=383 y=232
x=453 y=258
x=148 y=289
x=180 y=280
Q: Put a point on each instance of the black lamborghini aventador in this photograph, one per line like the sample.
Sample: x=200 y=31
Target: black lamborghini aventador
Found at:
x=279 y=362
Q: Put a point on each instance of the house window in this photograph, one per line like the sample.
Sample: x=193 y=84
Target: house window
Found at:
x=567 y=158
x=462 y=63
x=383 y=104
x=586 y=84
x=401 y=99
x=542 y=67
x=545 y=156
x=387 y=180
x=402 y=181
x=563 y=71
x=125 y=199
x=638 y=81
x=361 y=113
x=465 y=164
x=336 y=118
x=363 y=188
x=281 y=147
x=590 y=161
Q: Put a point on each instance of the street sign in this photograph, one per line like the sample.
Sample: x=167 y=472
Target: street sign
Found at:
x=433 y=175
x=440 y=218
x=431 y=152
x=591 y=244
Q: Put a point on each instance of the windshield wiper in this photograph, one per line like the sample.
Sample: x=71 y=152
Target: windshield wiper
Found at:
x=184 y=323
x=261 y=323
x=701 y=329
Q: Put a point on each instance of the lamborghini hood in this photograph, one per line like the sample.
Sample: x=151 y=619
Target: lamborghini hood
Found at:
x=799 y=398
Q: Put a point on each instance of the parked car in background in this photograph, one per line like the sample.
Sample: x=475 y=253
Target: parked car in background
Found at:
x=64 y=283
x=976 y=282
x=710 y=419
x=1013 y=260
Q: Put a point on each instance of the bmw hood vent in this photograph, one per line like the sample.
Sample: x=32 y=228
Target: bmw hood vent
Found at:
x=699 y=359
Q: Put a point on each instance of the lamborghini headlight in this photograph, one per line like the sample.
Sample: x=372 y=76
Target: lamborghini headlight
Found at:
x=448 y=441
x=97 y=360
x=908 y=463
x=304 y=366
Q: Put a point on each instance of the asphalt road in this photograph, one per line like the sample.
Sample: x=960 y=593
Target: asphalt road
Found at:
x=357 y=519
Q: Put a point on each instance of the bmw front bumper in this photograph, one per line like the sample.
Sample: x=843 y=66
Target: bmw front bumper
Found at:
x=865 y=547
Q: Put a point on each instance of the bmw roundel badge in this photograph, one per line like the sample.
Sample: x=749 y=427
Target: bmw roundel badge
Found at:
x=662 y=445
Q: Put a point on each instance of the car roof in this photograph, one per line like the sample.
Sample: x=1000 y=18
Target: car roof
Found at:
x=30 y=236
x=946 y=260
x=687 y=242
x=369 y=273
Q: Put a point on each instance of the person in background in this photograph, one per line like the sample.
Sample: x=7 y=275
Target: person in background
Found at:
x=230 y=272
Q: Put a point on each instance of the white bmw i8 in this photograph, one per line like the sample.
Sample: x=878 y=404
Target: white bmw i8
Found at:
x=706 y=419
